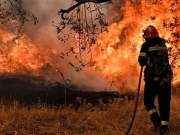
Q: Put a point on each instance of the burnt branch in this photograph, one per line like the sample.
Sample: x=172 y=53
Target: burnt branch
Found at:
x=79 y=2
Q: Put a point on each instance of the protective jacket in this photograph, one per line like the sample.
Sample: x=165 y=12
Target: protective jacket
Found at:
x=154 y=55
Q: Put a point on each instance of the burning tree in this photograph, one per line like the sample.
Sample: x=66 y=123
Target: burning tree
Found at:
x=109 y=48
x=18 y=54
x=114 y=47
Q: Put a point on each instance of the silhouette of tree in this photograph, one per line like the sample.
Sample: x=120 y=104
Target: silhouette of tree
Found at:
x=12 y=10
x=83 y=20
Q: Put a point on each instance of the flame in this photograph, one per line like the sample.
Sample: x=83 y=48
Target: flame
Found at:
x=117 y=49
x=18 y=55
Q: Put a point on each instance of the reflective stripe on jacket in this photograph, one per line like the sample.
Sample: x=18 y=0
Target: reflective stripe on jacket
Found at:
x=154 y=55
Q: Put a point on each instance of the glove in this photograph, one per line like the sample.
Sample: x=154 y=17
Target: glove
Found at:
x=142 y=61
x=142 y=64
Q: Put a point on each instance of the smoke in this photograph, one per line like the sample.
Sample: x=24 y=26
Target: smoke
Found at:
x=44 y=36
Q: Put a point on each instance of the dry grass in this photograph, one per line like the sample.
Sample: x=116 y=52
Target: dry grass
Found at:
x=112 y=119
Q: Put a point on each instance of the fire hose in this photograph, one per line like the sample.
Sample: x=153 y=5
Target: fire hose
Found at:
x=136 y=102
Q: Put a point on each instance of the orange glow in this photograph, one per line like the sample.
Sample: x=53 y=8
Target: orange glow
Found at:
x=21 y=56
x=116 y=53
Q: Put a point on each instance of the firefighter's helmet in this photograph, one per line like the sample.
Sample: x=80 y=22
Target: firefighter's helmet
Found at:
x=150 y=32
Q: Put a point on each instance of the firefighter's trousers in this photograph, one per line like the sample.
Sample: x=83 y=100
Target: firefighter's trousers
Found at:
x=152 y=90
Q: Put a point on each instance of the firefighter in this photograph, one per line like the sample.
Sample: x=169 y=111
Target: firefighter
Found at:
x=157 y=76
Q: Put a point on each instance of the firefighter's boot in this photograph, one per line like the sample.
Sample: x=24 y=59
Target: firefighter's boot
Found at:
x=164 y=132
x=156 y=121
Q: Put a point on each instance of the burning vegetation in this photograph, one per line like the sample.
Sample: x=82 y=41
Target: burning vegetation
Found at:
x=103 y=44
x=113 y=47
